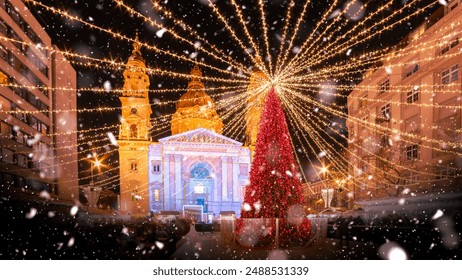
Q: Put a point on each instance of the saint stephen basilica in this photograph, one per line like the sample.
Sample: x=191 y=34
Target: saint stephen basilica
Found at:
x=196 y=170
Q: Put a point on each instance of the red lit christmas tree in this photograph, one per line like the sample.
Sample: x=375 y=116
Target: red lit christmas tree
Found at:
x=275 y=190
x=274 y=183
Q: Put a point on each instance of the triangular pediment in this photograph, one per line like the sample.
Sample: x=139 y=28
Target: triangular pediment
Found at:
x=200 y=135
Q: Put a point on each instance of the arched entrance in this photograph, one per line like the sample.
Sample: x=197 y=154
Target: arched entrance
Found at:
x=200 y=184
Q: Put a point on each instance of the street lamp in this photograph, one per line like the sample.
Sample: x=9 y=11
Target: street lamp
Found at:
x=91 y=192
x=325 y=194
x=94 y=164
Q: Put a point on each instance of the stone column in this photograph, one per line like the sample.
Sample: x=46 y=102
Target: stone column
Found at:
x=178 y=202
x=224 y=178
x=235 y=178
x=186 y=178
x=166 y=185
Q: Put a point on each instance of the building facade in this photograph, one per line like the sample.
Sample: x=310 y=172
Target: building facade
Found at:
x=38 y=123
x=404 y=120
x=196 y=171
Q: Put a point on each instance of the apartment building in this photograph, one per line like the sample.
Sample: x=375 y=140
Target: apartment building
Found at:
x=404 y=119
x=38 y=137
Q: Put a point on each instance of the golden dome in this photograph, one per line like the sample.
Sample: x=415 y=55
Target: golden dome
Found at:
x=195 y=108
x=195 y=95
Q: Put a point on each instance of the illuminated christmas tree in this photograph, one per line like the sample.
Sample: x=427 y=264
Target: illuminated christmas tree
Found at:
x=275 y=190
x=274 y=181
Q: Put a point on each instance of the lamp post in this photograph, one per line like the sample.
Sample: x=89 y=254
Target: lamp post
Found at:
x=324 y=171
x=94 y=164
x=329 y=192
x=91 y=192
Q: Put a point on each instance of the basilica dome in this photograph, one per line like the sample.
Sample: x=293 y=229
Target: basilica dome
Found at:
x=196 y=109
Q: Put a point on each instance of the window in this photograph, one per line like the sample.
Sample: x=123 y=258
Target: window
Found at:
x=3 y=53
x=452 y=5
x=385 y=86
x=411 y=179
x=443 y=172
x=409 y=70
x=133 y=131
x=3 y=28
x=3 y=79
x=6 y=155
x=412 y=152
x=22 y=161
x=156 y=168
x=385 y=140
x=156 y=195
x=450 y=75
x=134 y=166
x=385 y=111
x=448 y=45
x=363 y=101
x=413 y=95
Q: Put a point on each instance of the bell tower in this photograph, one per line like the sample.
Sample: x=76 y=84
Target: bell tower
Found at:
x=134 y=136
x=256 y=95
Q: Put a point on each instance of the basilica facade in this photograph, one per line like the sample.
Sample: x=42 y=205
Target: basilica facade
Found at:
x=196 y=171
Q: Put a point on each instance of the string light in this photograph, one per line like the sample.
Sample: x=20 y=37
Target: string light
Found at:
x=296 y=85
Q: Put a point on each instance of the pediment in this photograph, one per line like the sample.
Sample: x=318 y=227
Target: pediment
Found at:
x=200 y=135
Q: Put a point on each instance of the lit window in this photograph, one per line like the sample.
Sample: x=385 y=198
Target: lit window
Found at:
x=199 y=188
x=156 y=195
x=412 y=152
x=450 y=75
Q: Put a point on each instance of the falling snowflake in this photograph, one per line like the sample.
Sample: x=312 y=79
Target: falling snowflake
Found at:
x=107 y=86
x=31 y=214
x=74 y=210
x=44 y=194
x=71 y=242
x=112 y=139
x=246 y=207
x=159 y=245
x=160 y=32
x=438 y=214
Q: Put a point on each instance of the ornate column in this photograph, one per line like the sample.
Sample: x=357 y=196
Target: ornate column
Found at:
x=178 y=202
x=185 y=182
x=166 y=185
x=235 y=178
x=224 y=178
